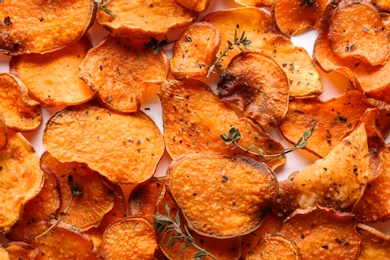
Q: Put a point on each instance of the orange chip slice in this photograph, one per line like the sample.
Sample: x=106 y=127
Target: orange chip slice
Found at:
x=52 y=78
x=257 y=86
x=120 y=71
x=239 y=186
x=357 y=32
x=124 y=148
x=375 y=244
x=191 y=126
x=3 y=133
x=323 y=233
x=19 y=111
x=21 y=179
x=39 y=27
x=195 y=5
x=4 y=254
x=141 y=20
x=129 y=238
x=257 y=3
x=21 y=250
x=382 y=5
x=194 y=52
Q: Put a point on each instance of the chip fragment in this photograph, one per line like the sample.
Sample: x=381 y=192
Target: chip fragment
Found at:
x=375 y=244
x=3 y=133
x=21 y=251
x=195 y=5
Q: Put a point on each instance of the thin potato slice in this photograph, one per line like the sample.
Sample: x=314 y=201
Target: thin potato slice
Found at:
x=260 y=28
x=87 y=209
x=204 y=186
x=338 y=116
x=195 y=5
x=138 y=19
x=120 y=71
x=3 y=133
x=357 y=32
x=123 y=148
x=296 y=16
x=323 y=233
x=40 y=27
x=20 y=113
x=336 y=181
x=52 y=78
x=129 y=238
x=274 y=247
x=21 y=251
x=257 y=86
x=21 y=179
x=375 y=244
x=191 y=126
x=65 y=242
x=195 y=50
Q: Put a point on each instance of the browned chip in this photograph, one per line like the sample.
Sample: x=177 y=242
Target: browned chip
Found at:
x=274 y=247
x=336 y=181
x=63 y=242
x=19 y=111
x=357 y=32
x=39 y=27
x=21 y=251
x=120 y=71
x=259 y=27
x=124 y=148
x=52 y=78
x=323 y=233
x=382 y=5
x=204 y=186
x=338 y=117
x=195 y=5
x=129 y=238
x=194 y=52
x=257 y=86
x=20 y=179
x=295 y=16
x=191 y=126
x=141 y=20
x=375 y=244
x=3 y=133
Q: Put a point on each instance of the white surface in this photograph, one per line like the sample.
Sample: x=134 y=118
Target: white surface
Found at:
x=295 y=161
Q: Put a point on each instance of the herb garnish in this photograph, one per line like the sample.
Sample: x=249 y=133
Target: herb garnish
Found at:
x=102 y=6
x=165 y=222
x=76 y=190
x=235 y=135
x=156 y=45
x=236 y=42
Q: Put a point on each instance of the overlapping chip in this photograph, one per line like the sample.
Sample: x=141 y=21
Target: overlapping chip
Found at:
x=195 y=5
x=257 y=3
x=375 y=244
x=21 y=251
x=3 y=133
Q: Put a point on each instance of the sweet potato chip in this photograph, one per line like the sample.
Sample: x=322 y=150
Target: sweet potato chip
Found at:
x=129 y=238
x=39 y=27
x=21 y=251
x=357 y=32
x=141 y=20
x=3 y=133
x=88 y=208
x=256 y=85
x=260 y=29
x=43 y=207
x=323 y=233
x=20 y=113
x=20 y=179
x=124 y=148
x=296 y=16
x=274 y=247
x=256 y=3
x=338 y=116
x=144 y=197
x=52 y=78
x=195 y=50
x=4 y=254
x=195 y=5
x=382 y=5
x=226 y=249
x=63 y=242
x=191 y=126
x=241 y=187
x=120 y=71
x=375 y=244
x=336 y=181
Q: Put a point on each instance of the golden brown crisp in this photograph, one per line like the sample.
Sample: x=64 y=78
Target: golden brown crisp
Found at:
x=21 y=251
x=195 y=5
x=52 y=78
x=43 y=26
x=120 y=71
x=123 y=148
x=219 y=196
x=256 y=85
x=257 y=3
x=3 y=133
x=375 y=244
x=4 y=254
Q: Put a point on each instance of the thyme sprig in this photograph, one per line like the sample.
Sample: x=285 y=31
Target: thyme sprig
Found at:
x=76 y=190
x=157 y=45
x=234 y=136
x=165 y=222
x=102 y=6
x=238 y=41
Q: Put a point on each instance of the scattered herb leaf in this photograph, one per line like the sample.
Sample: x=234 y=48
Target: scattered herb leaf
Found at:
x=156 y=45
x=102 y=6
